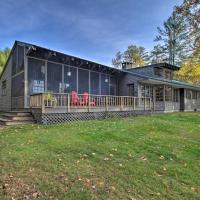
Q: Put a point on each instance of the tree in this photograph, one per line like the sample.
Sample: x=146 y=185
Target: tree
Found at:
x=136 y=55
x=117 y=61
x=189 y=72
x=174 y=35
x=158 y=54
x=190 y=69
x=190 y=12
x=4 y=53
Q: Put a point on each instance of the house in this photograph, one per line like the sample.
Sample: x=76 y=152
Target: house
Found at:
x=57 y=87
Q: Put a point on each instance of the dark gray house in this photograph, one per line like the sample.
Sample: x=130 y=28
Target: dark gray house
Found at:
x=56 y=87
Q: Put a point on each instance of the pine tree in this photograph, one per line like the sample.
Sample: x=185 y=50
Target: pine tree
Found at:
x=158 y=54
x=174 y=35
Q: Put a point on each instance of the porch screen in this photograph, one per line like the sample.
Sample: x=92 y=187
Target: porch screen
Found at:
x=70 y=79
x=83 y=81
x=54 y=77
x=104 y=84
x=94 y=83
x=17 y=59
x=14 y=61
x=18 y=85
x=20 y=58
x=36 y=76
x=113 y=85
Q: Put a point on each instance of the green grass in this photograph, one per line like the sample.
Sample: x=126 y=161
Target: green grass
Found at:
x=139 y=158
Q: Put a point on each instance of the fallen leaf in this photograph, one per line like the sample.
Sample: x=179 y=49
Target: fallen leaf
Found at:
x=35 y=194
x=162 y=157
x=194 y=189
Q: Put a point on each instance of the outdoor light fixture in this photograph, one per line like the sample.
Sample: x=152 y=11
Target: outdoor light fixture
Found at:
x=106 y=80
x=69 y=73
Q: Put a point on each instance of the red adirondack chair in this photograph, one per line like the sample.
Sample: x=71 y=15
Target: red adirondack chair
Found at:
x=74 y=98
x=85 y=100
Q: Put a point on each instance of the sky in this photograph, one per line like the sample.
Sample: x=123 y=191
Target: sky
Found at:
x=90 y=29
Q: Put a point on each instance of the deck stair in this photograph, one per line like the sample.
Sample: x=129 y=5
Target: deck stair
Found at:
x=16 y=118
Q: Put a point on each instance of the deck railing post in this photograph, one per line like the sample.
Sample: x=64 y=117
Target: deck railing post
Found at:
x=89 y=103
x=121 y=103
x=144 y=103
x=133 y=103
x=68 y=102
x=106 y=103
x=42 y=102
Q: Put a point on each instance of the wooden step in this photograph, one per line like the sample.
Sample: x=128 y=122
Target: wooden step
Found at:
x=16 y=118
x=7 y=122
x=16 y=113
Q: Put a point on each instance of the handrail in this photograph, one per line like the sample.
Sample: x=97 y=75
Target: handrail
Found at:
x=65 y=100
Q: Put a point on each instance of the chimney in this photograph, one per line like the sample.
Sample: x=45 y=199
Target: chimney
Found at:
x=127 y=65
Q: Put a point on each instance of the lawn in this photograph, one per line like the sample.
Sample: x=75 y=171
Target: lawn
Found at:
x=139 y=158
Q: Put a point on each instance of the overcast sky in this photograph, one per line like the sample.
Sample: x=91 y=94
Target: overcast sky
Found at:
x=91 y=29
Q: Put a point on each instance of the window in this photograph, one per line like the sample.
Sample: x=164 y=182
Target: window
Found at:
x=146 y=91
x=168 y=74
x=194 y=94
x=158 y=71
x=3 y=87
x=176 y=95
x=159 y=93
x=168 y=93
x=198 y=95
x=189 y=94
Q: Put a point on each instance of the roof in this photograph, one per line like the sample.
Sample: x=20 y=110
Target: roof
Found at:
x=165 y=81
x=65 y=59
x=104 y=67
x=166 y=65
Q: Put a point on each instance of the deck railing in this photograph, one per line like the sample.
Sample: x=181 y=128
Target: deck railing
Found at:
x=92 y=102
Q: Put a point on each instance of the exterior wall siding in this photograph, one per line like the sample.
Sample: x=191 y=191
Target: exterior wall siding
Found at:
x=127 y=79
x=149 y=71
x=5 y=100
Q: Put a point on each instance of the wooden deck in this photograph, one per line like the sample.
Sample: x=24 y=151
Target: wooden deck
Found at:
x=64 y=103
